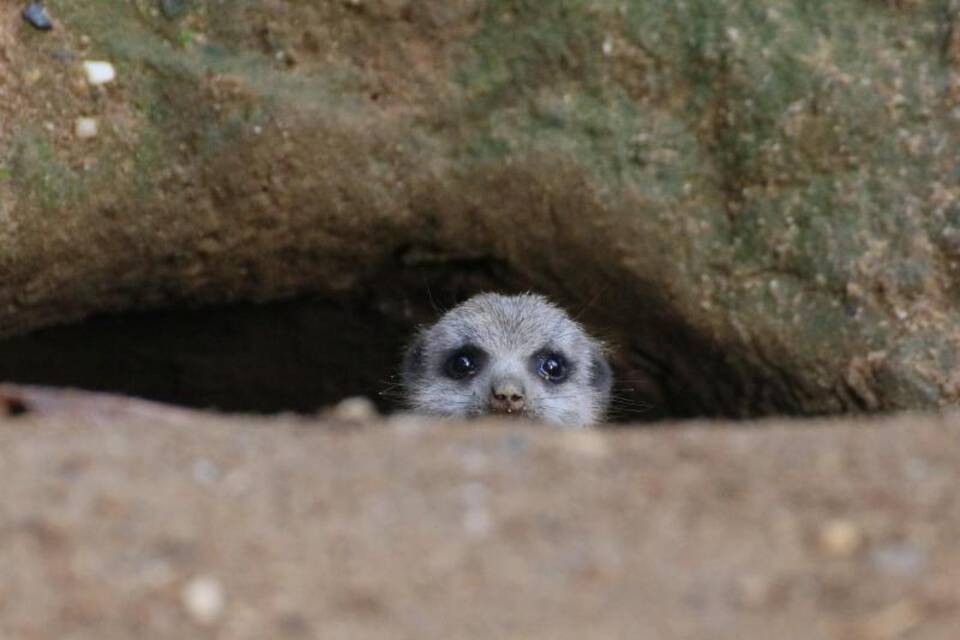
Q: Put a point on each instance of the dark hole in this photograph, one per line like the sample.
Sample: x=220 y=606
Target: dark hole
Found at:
x=289 y=356
x=304 y=354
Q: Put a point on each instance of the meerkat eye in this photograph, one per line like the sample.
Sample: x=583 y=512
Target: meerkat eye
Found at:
x=552 y=367
x=463 y=363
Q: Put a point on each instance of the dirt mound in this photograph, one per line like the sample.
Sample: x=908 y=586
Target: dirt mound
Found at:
x=124 y=518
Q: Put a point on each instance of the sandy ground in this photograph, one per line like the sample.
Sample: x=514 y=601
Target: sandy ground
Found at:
x=125 y=519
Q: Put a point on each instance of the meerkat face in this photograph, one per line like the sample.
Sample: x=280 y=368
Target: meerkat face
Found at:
x=517 y=355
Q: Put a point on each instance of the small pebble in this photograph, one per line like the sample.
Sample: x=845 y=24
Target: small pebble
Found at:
x=36 y=15
x=607 y=46
x=840 y=538
x=358 y=409
x=99 y=72
x=204 y=600
x=85 y=128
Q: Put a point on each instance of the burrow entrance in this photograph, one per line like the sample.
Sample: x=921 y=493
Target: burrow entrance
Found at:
x=304 y=354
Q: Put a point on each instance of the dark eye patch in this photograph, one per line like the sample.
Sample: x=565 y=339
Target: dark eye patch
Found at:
x=464 y=362
x=551 y=365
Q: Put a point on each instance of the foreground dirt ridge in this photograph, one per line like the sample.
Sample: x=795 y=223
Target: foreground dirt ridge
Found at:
x=125 y=518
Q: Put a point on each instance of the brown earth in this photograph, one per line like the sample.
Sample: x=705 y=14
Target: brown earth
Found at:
x=116 y=511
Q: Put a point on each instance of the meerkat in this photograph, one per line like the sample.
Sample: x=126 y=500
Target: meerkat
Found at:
x=511 y=355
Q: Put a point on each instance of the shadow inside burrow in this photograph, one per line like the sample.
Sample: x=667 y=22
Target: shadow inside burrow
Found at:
x=304 y=354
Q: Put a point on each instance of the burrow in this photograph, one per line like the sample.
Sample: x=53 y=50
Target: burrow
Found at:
x=306 y=353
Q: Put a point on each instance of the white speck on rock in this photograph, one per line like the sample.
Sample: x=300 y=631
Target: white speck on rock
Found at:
x=840 y=538
x=204 y=600
x=99 y=72
x=86 y=128
x=607 y=46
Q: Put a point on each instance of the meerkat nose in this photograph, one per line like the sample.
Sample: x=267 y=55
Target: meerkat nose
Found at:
x=507 y=394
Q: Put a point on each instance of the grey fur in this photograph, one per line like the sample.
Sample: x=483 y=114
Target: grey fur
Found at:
x=509 y=337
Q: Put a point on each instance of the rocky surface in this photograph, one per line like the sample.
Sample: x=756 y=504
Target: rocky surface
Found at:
x=759 y=204
x=122 y=518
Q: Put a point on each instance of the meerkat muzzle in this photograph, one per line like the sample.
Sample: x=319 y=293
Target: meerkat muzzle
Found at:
x=507 y=395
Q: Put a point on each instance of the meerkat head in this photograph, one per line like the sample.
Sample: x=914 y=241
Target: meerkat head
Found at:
x=498 y=354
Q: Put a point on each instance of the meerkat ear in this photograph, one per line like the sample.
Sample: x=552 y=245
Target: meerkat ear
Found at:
x=413 y=363
x=601 y=376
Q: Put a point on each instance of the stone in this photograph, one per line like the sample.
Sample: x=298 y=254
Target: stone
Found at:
x=99 y=72
x=85 y=128
x=357 y=409
x=36 y=15
x=203 y=598
x=840 y=538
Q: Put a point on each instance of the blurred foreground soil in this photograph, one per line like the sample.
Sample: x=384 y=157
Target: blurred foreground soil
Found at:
x=123 y=519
